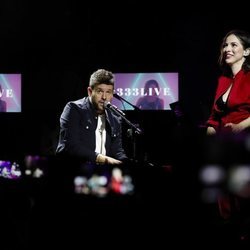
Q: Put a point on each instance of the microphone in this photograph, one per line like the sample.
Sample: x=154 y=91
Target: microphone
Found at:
x=113 y=108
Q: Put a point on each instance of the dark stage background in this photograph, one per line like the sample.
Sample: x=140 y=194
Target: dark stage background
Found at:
x=56 y=47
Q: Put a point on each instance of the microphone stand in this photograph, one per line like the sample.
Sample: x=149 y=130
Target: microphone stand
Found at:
x=121 y=98
x=135 y=130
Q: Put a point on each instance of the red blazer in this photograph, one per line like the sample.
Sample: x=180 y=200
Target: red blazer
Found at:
x=238 y=101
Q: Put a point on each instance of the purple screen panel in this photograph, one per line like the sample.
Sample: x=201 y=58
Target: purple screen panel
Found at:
x=132 y=87
x=10 y=92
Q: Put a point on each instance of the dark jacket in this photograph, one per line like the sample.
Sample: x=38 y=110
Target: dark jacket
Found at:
x=78 y=123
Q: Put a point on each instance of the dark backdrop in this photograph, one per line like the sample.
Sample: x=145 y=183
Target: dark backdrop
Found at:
x=57 y=46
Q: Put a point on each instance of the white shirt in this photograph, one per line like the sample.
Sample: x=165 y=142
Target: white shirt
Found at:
x=100 y=135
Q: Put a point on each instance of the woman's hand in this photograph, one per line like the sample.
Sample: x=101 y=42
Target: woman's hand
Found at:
x=211 y=131
x=235 y=128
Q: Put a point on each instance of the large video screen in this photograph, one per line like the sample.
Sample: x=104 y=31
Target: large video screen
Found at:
x=10 y=93
x=147 y=91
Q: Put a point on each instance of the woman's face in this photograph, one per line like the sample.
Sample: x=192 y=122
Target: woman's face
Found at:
x=233 y=51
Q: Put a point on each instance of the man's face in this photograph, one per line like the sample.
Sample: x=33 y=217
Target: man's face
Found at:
x=99 y=95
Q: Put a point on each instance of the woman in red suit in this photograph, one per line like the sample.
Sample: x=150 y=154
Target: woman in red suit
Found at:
x=231 y=107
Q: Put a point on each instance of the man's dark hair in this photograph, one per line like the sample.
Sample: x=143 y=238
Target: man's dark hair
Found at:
x=101 y=76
